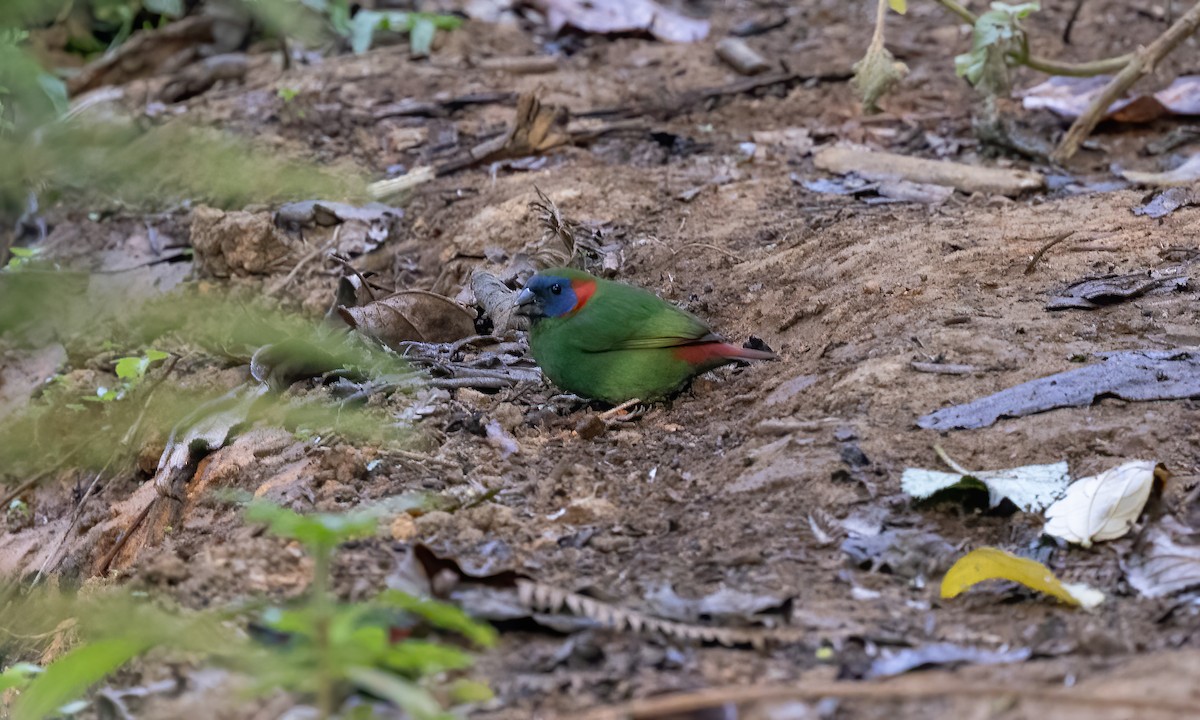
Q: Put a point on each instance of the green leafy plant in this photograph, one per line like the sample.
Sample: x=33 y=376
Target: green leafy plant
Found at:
x=130 y=371
x=104 y=640
x=421 y=27
x=119 y=16
x=21 y=257
x=360 y=29
x=18 y=676
x=318 y=647
x=332 y=647
x=997 y=43
x=118 y=160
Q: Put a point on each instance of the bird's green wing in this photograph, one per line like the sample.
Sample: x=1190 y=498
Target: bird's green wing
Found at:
x=622 y=317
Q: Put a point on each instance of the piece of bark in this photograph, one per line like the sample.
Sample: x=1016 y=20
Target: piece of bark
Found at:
x=498 y=302
x=741 y=57
x=521 y=65
x=882 y=166
x=1131 y=375
x=199 y=77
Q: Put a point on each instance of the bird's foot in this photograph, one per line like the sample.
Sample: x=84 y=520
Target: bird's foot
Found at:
x=626 y=411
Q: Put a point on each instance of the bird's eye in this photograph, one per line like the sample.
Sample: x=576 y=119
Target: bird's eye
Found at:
x=556 y=289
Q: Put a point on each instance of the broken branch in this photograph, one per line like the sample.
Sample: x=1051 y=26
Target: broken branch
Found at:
x=1141 y=63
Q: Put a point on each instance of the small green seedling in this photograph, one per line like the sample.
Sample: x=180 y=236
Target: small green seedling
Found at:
x=997 y=43
x=334 y=647
x=17 y=512
x=21 y=257
x=361 y=28
x=130 y=371
x=18 y=676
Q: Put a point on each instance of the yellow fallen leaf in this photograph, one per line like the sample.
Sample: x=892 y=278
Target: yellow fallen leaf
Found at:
x=989 y=563
x=900 y=6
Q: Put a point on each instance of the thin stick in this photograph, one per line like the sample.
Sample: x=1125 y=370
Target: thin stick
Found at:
x=950 y=461
x=708 y=246
x=124 y=538
x=613 y=412
x=1038 y=255
x=1142 y=63
x=337 y=231
x=365 y=283
x=679 y=704
x=1066 y=36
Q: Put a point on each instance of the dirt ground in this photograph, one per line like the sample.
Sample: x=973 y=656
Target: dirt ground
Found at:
x=749 y=480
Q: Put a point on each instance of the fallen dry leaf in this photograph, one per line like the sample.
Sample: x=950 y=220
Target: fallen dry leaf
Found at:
x=1097 y=292
x=606 y=17
x=411 y=315
x=1070 y=97
x=943 y=655
x=1185 y=174
x=1104 y=506
x=989 y=563
x=1166 y=202
x=1162 y=565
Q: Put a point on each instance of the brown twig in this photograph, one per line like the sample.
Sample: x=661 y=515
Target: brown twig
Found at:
x=685 y=101
x=1142 y=63
x=331 y=242
x=679 y=704
x=124 y=538
x=367 y=285
x=1033 y=261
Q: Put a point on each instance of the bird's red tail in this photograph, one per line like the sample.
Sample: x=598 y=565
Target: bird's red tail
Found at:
x=701 y=353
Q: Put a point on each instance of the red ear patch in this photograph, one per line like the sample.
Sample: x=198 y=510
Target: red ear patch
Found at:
x=584 y=289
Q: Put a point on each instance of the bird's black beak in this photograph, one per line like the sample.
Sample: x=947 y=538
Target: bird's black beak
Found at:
x=526 y=303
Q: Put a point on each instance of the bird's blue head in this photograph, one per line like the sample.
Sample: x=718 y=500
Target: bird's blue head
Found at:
x=551 y=295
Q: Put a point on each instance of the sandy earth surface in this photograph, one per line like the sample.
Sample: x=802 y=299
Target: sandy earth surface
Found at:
x=750 y=480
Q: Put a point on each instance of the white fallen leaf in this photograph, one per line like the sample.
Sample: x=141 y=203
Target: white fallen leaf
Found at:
x=1104 y=506
x=1031 y=487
